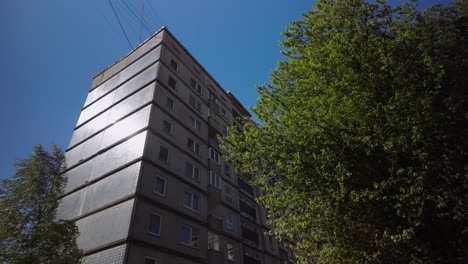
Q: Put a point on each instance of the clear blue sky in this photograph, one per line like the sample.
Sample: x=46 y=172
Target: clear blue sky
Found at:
x=50 y=49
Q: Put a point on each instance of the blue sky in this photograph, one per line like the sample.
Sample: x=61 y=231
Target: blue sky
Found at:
x=50 y=50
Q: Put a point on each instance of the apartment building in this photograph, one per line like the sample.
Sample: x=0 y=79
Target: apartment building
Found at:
x=147 y=182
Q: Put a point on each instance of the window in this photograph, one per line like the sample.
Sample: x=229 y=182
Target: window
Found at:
x=245 y=187
x=194 y=123
x=167 y=127
x=211 y=96
x=174 y=65
x=155 y=224
x=169 y=103
x=247 y=209
x=214 y=155
x=171 y=82
x=214 y=241
x=196 y=86
x=228 y=193
x=230 y=252
x=149 y=260
x=189 y=236
x=195 y=103
x=159 y=186
x=249 y=235
x=228 y=220
x=163 y=154
x=224 y=112
x=227 y=170
x=192 y=201
x=215 y=180
x=225 y=131
x=192 y=171
x=193 y=146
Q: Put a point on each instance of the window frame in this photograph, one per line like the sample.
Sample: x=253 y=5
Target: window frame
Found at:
x=159 y=155
x=171 y=81
x=193 y=145
x=194 y=123
x=164 y=126
x=159 y=227
x=195 y=103
x=168 y=98
x=192 y=199
x=230 y=249
x=187 y=163
x=154 y=185
x=228 y=198
x=191 y=229
x=216 y=156
x=214 y=175
x=174 y=65
x=231 y=225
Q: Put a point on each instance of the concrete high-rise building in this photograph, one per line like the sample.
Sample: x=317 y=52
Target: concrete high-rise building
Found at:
x=147 y=182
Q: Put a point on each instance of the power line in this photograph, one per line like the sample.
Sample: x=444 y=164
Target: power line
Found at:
x=123 y=30
x=136 y=16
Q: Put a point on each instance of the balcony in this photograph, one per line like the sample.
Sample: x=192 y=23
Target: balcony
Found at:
x=215 y=223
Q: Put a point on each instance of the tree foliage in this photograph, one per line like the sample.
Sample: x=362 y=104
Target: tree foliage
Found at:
x=29 y=232
x=362 y=146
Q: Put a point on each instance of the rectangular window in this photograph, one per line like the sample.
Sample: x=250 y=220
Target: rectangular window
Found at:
x=169 y=103
x=155 y=224
x=163 y=154
x=193 y=146
x=196 y=86
x=214 y=155
x=227 y=193
x=167 y=127
x=192 y=171
x=171 y=82
x=245 y=187
x=211 y=96
x=225 y=131
x=192 y=201
x=228 y=219
x=230 y=252
x=149 y=260
x=189 y=236
x=195 y=103
x=159 y=186
x=214 y=241
x=224 y=112
x=194 y=123
x=215 y=180
x=174 y=65
x=247 y=210
x=227 y=170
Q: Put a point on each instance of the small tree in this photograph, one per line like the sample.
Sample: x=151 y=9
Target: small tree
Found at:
x=29 y=231
x=362 y=147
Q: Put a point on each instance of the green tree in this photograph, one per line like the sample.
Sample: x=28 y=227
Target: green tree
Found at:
x=362 y=145
x=29 y=231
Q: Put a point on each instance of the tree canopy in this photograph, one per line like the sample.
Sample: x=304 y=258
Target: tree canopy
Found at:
x=29 y=231
x=361 y=149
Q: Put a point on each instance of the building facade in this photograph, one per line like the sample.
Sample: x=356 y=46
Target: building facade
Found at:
x=147 y=182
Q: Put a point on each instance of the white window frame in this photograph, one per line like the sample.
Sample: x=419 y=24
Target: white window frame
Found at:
x=198 y=88
x=195 y=103
x=193 y=147
x=191 y=243
x=194 y=168
x=194 y=123
x=215 y=179
x=228 y=225
x=192 y=203
x=214 y=155
x=154 y=185
x=228 y=197
x=160 y=224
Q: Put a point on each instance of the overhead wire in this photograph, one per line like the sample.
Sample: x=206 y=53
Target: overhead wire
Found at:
x=136 y=16
x=120 y=23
